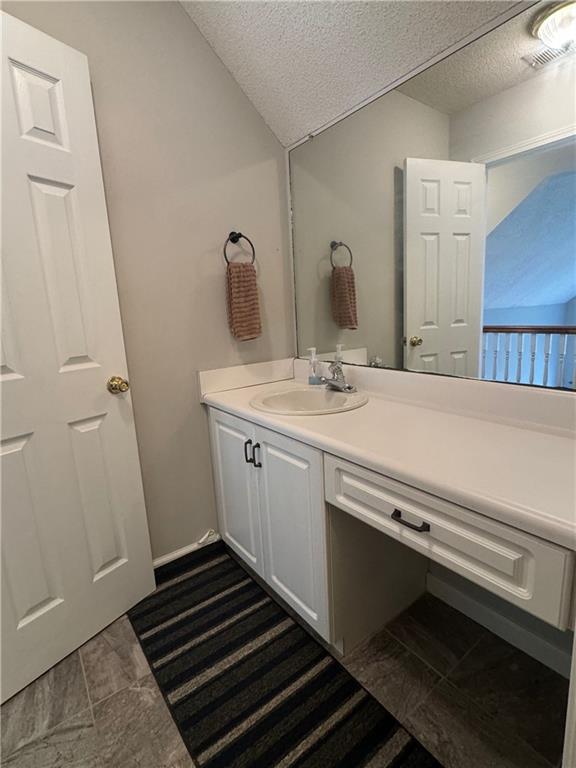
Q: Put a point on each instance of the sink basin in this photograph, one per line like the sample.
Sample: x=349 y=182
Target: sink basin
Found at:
x=308 y=401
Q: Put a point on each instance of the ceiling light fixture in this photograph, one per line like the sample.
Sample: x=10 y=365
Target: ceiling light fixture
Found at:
x=556 y=25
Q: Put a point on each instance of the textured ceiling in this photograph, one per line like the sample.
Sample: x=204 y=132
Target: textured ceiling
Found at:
x=481 y=69
x=302 y=64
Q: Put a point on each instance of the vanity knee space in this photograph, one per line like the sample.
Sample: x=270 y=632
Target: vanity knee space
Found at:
x=531 y=573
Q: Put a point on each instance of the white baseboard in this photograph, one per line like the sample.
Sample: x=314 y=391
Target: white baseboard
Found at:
x=554 y=656
x=209 y=538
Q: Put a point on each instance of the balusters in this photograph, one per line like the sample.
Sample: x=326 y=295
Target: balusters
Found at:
x=551 y=350
x=533 y=338
x=495 y=353
x=519 y=352
x=547 y=347
x=507 y=341
x=562 y=348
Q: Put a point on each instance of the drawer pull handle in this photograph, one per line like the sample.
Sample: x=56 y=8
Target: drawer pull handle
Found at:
x=422 y=528
x=255 y=459
x=248 y=459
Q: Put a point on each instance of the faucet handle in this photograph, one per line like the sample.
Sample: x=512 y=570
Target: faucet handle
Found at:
x=337 y=371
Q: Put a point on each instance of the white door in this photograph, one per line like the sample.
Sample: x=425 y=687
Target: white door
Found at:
x=292 y=508
x=444 y=241
x=75 y=547
x=235 y=479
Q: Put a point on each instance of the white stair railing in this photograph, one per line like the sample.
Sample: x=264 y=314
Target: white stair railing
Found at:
x=530 y=354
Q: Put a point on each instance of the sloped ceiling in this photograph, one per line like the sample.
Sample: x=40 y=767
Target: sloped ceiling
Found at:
x=302 y=64
x=530 y=255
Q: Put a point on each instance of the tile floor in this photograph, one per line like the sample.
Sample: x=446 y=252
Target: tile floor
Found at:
x=98 y=708
x=471 y=699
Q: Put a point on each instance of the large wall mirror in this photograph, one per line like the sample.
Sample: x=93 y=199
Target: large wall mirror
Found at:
x=435 y=229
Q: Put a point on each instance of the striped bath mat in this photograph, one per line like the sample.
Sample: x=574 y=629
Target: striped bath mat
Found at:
x=248 y=687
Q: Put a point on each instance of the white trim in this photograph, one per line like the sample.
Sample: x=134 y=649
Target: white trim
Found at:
x=521 y=637
x=497 y=21
x=168 y=558
x=525 y=146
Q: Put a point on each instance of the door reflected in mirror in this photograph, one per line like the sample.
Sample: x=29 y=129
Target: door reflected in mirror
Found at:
x=454 y=198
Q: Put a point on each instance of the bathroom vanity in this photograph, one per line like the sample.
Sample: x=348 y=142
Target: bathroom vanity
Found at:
x=487 y=499
x=342 y=514
x=272 y=489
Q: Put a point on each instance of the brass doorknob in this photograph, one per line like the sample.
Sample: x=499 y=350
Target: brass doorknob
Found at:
x=416 y=341
x=116 y=385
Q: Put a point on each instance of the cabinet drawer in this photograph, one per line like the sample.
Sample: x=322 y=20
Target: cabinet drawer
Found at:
x=523 y=569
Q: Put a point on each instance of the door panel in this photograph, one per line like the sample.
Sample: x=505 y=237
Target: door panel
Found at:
x=76 y=553
x=101 y=517
x=56 y=214
x=31 y=585
x=293 y=525
x=444 y=265
x=236 y=487
x=39 y=105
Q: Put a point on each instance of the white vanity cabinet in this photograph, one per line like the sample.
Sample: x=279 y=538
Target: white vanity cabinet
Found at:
x=271 y=511
x=236 y=483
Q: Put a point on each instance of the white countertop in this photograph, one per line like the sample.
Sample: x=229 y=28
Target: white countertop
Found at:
x=523 y=477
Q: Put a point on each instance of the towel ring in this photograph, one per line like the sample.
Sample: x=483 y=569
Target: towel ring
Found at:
x=334 y=247
x=234 y=237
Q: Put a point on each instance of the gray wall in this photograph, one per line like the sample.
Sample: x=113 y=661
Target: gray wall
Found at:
x=347 y=185
x=186 y=158
x=542 y=106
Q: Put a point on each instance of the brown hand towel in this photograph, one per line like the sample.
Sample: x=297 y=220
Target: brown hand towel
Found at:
x=343 y=293
x=242 y=300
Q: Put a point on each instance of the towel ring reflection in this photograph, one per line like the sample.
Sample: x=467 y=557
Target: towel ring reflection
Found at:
x=234 y=237
x=334 y=247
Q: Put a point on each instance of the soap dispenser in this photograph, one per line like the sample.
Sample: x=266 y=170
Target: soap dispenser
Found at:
x=313 y=376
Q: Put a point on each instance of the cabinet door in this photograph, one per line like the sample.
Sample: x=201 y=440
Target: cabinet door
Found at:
x=236 y=486
x=294 y=525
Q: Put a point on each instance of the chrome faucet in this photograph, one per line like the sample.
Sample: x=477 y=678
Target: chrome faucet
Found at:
x=338 y=380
